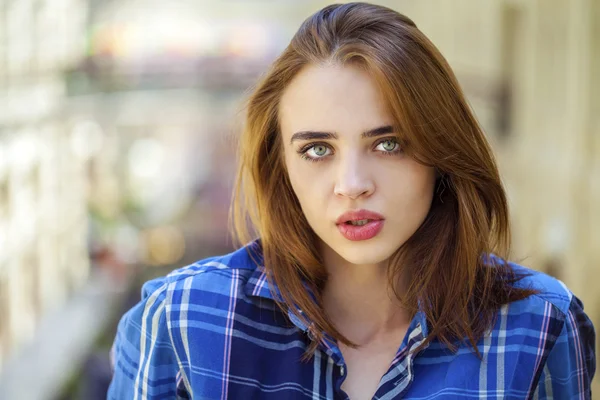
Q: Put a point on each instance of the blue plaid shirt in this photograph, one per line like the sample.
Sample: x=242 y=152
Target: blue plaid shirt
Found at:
x=211 y=330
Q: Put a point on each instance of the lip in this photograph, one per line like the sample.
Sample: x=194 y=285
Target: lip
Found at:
x=363 y=232
x=357 y=215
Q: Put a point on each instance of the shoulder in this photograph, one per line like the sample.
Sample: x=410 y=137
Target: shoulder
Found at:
x=554 y=308
x=550 y=291
x=543 y=343
x=542 y=315
x=550 y=316
x=155 y=342
x=221 y=276
x=550 y=331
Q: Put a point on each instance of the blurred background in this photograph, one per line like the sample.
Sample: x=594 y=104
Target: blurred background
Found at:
x=117 y=128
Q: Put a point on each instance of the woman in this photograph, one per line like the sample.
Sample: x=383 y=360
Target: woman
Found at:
x=379 y=269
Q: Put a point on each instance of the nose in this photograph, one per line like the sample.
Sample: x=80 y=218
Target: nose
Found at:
x=353 y=179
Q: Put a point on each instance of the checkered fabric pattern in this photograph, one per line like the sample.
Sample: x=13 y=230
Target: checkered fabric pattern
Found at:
x=212 y=330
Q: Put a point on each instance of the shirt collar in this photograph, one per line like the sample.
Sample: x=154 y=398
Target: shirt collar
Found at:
x=258 y=284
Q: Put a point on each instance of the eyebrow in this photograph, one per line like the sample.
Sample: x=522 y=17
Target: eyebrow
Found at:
x=311 y=135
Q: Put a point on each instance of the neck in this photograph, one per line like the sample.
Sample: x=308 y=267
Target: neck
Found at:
x=359 y=300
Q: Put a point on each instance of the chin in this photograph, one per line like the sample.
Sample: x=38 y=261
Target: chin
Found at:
x=365 y=252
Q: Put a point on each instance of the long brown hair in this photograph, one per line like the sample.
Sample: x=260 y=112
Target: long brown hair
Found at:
x=449 y=274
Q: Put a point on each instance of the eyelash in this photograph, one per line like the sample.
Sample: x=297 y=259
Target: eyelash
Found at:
x=309 y=146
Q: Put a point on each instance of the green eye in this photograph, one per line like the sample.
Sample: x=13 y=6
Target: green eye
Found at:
x=320 y=150
x=389 y=145
x=315 y=152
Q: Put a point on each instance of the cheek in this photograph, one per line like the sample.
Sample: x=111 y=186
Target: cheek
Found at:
x=424 y=181
x=305 y=188
x=308 y=186
x=416 y=186
x=426 y=186
x=300 y=180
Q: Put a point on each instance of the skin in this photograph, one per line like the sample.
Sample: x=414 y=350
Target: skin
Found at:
x=354 y=172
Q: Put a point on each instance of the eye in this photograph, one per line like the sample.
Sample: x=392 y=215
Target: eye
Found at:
x=315 y=152
x=390 y=145
x=319 y=150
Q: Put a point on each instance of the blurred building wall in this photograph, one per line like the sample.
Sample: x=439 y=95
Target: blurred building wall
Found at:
x=43 y=250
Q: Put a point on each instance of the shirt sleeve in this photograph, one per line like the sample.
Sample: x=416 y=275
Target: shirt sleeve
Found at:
x=571 y=363
x=143 y=358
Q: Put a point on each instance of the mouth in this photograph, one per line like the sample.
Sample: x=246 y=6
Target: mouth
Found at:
x=360 y=222
x=358 y=217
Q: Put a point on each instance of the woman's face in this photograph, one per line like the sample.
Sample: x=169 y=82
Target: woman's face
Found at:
x=341 y=155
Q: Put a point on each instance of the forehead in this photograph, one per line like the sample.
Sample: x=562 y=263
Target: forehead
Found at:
x=344 y=99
